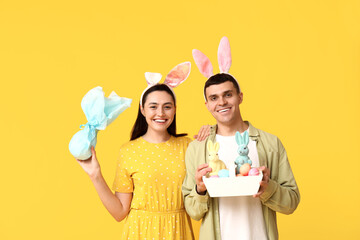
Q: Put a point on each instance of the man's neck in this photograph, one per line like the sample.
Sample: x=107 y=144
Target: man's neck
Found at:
x=231 y=129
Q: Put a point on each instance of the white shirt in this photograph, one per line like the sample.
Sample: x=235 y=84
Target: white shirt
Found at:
x=240 y=217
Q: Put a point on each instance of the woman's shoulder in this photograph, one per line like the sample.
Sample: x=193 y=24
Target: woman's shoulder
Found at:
x=131 y=144
x=183 y=140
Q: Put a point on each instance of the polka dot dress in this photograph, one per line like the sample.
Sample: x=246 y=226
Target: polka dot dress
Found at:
x=154 y=173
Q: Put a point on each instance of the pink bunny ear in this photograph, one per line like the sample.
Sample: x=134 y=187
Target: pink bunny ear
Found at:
x=224 y=55
x=178 y=74
x=203 y=63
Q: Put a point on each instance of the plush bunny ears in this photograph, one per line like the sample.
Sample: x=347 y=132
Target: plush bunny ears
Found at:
x=175 y=77
x=224 y=59
x=242 y=139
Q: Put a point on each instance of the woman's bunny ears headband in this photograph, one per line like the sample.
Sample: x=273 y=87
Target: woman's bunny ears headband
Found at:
x=174 y=78
x=224 y=59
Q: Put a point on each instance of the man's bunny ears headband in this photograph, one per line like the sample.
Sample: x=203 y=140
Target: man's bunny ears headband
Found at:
x=174 y=78
x=224 y=59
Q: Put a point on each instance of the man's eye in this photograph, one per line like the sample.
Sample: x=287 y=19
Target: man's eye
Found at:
x=229 y=95
x=152 y=107
x=213 y=98
x=167 y=107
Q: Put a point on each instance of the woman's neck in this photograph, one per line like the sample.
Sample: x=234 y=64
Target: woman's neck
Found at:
x=156 y=137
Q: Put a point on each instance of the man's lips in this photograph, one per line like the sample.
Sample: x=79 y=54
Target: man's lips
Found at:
x=223 y=110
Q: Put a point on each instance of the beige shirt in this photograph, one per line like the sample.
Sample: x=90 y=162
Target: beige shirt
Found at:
x=281 y=195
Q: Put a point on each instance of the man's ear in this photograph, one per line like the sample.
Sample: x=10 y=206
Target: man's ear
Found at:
x=207 y=105
x=241 y=97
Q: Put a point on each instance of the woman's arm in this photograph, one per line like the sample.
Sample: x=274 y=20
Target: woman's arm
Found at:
x=117 y=204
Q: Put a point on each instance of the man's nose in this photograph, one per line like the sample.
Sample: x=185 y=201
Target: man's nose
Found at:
x=222 y=101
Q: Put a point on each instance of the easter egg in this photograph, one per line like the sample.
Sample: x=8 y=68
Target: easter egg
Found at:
x=244 y=169
x=223 y=173
x=254 y=172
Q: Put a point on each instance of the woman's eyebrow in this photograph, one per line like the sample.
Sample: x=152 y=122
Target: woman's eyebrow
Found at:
x=155 y=103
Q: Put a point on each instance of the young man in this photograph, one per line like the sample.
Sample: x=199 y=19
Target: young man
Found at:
x=245 y=217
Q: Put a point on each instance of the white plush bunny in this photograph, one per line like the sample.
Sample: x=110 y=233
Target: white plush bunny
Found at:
x=215 y=163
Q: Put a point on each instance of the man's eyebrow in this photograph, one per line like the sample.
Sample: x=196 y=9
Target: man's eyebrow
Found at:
x=225 y=92
x=228 y=91
x=212 y=95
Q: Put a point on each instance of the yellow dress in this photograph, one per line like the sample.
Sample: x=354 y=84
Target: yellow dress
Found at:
x=154 y=173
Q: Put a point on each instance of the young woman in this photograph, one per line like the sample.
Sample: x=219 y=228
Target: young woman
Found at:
x=150 y=172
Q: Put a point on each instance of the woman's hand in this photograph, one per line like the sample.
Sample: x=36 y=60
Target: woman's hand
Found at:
x=203 y=133
x=91 y=166
x=117 y=204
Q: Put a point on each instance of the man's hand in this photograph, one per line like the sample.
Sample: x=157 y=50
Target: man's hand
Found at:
x=201 y=171
x=264 y=182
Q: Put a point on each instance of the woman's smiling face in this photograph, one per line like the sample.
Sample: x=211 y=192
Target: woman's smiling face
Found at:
x=158 y=110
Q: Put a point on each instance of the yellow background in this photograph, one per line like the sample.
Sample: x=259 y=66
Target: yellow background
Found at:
x=297 y=62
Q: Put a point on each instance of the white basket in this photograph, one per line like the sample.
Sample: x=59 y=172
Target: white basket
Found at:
x=233 y=186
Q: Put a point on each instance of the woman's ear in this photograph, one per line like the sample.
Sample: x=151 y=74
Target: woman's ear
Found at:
x=142 y=111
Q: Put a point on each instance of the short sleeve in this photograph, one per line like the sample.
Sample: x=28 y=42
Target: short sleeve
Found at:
x=123 y=181
x=187 y=141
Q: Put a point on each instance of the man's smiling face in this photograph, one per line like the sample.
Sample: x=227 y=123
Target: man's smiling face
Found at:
x=223 y=102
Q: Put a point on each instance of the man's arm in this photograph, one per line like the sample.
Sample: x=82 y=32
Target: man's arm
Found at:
x=196 y=205
x=281 y=195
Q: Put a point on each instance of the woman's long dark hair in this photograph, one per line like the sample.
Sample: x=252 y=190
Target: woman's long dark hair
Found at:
x=140 y=127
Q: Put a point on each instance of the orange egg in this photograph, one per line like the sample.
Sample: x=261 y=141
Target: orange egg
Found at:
x=244 y=169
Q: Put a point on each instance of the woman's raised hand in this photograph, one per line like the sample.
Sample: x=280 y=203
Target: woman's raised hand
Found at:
x=203 y=133
x=91 y=166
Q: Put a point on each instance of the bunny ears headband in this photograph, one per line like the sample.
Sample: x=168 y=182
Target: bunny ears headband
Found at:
x=174 y=78
x=224 y=59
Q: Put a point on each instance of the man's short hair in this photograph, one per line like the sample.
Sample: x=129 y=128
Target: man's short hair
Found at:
x=221 y=78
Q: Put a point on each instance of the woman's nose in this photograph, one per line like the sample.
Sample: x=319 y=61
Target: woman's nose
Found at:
x=160 y=112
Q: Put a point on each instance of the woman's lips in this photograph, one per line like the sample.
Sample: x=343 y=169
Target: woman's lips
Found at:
x=160 y=120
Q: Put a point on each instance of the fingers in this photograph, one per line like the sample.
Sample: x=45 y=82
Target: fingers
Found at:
x=265 y=170
x=93 y=150
x=201 y=166
x=264 y=182
x=203 y=133
x=93 y=153
x=201 y=171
